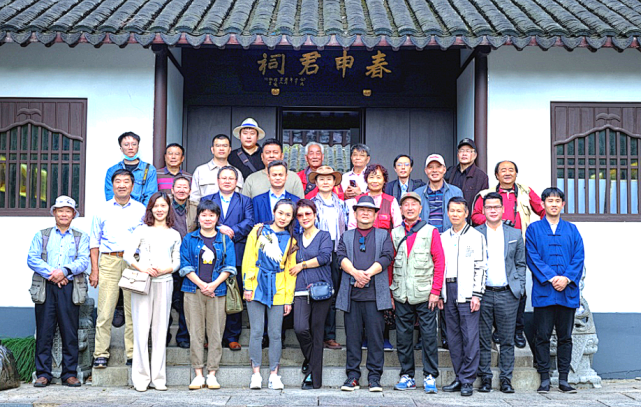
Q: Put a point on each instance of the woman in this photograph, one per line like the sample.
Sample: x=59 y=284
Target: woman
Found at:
x=207 y=259
x=270 y=253
x=313 y=265
x=159 y=256
x=332 y=217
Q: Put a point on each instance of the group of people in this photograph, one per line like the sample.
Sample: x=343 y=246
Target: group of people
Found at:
x=448 y=258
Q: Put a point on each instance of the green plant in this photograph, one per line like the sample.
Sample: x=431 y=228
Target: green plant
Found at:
x=24 y=350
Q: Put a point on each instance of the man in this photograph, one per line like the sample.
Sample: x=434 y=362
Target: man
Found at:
x=403 y=165
x=146 y=183
x=465 y=271
x=504 y=286
x=435 y=197
x=264 y=204
x=258 y=182
x=555 y=255
x=247 y=158
x=364 y=254
x=354 y=183
x=58 y=257
x=236 y=221
x=519 y=202
x=174 y=157
x=314 y=157
x=419 y=267
x=466 y=175
x=184 y=222
x=205 y=180
x=111 y=231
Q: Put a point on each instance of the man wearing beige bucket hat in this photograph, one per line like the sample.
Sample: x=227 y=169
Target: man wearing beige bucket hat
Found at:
x=247 y=157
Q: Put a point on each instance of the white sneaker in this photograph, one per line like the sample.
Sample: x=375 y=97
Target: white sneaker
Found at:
x=212 y=382
x=256 y=381
x=275 y=383
x=197 y=383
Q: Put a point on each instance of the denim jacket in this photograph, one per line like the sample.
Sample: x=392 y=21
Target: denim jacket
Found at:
x=189 y=261
x=141 y=192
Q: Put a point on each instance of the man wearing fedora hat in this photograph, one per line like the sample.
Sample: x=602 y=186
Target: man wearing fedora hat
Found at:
x=58 y=256
x=364 y=254
x=205 y=179
x=247 y=157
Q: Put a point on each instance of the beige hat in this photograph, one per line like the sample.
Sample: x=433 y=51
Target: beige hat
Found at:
x=249 y=123
x=412 y=195
x=63 y=201
x=434 y=157
x=325 y=170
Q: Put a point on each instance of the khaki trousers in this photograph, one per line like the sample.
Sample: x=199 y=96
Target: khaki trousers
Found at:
x=205 y=313
x=151 y=311
x=111 y=268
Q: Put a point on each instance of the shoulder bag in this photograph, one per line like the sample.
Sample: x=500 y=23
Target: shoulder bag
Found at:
x=233 y=298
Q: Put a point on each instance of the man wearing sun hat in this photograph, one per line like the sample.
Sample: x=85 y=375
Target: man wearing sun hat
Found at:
x=247 y=157
x=58 y=256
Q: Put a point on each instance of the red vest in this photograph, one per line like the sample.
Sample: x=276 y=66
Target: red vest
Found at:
x=384 y=215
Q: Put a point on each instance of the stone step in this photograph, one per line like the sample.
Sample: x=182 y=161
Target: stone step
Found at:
x=524 y=378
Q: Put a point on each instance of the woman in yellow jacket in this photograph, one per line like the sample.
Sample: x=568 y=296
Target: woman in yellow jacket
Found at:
x=269 y=287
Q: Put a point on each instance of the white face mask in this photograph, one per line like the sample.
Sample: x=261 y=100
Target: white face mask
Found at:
x=134 y=158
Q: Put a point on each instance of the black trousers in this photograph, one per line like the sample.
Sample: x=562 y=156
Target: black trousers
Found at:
x=498 y=308
x=520 y=314
x=330 y=322
x=309 y=321
x=545 y=320
x=406 y=315
x=462 y=336
x=234 y=323
x=364 y=317
x=57 y=310
x=177 y=303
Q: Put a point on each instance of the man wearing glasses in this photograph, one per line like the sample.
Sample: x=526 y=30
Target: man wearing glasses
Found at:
x=364 y=254
x=403 y=165
x=466 y=175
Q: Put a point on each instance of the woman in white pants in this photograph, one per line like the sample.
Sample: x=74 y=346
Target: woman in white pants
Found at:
x=159 y=249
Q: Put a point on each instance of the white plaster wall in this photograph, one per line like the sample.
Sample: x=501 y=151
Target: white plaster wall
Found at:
x=175 y=84
x=521 y=86
x=118 y=84
x=465 y=100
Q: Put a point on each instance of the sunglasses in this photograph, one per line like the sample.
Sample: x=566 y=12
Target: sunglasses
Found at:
x=305 y=214
x=361 y=241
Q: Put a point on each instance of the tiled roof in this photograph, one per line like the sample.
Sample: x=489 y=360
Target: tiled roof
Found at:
x=370 y=23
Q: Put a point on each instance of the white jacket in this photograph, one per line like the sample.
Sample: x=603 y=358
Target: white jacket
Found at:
x=470 y=262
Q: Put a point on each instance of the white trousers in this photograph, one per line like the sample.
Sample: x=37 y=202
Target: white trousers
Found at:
x=151 y=312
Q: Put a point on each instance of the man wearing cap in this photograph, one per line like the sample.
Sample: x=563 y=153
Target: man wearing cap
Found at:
x=146 y=182
x=205 y=179
x=354 y=182
x=264 y=204
x=58 y=256
x=403 y=165
x=416 y=286
x=174 y=157
x=247 y=157
x=364 y=254
x=111 y=229
x=258 y=182
x=466 y=175
x=332 y=215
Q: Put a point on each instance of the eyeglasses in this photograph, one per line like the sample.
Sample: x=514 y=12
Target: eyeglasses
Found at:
x=361 y=241
x=305 y=214
x=466 y=150
x=403 y=164
x=493 y=208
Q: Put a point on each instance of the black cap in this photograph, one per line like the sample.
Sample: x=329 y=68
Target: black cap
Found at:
x=466 y=142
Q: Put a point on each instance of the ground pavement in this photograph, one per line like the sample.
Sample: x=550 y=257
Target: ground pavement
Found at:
x=613 y=393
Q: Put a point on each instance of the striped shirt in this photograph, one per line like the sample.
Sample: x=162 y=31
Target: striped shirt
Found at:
x=436 y=208
x=166 y=179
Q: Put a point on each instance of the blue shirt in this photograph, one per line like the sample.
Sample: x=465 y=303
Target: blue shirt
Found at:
x=141 y=193
x=61 y=253
x=225 y=203
x=111 y=229
x=273 y=198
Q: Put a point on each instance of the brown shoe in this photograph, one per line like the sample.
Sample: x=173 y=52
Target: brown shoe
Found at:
x=235 y=346
x=72 y=382
x=41 y=382
x=332 y=344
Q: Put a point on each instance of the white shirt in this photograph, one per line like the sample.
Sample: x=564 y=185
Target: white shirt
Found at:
x=496 y=275
x=225 y=203
x=450 y=241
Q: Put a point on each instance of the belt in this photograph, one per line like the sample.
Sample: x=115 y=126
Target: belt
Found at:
x=497 y=289
x=118 y=254
x=450 y=280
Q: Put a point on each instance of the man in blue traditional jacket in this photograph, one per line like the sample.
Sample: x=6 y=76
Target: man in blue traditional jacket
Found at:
x=554 y=253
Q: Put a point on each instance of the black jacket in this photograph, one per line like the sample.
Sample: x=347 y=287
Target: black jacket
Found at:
x=393 y=188
x=475 y=181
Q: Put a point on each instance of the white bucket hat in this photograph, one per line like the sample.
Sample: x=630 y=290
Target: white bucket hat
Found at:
x=63 y=201
x=249 y=123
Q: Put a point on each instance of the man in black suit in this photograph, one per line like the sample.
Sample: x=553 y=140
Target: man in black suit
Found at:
x=504 y=286
x=236 y=221
x=403 y=165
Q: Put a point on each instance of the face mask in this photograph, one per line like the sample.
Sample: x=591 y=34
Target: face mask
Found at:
x=134 y=158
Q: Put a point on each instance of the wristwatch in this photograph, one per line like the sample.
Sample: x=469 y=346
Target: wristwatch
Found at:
x=304 y=265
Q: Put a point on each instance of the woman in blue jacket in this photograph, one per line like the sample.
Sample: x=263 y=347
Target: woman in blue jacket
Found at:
x=207 y=259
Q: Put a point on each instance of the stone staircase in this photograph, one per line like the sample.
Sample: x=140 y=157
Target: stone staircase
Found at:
x=235 y=371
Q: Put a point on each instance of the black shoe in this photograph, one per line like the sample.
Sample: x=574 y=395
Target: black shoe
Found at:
x=506 y=386
x=467 y=389
x=544 y=388
x=307 y=383
x=119 y=317
x=375 y=386
x=495 y=337
x=100 y=363
x=130 y=362
x=452 y=387
x=350 y=384
x=486 y=385
x=444 y=345
x=305 y=368
x=564 y=387
x=418 y=346
x=519 y=340
x=184 y=345
x=265 y=342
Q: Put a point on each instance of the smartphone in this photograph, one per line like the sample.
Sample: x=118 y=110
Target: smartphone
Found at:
x=352 y=183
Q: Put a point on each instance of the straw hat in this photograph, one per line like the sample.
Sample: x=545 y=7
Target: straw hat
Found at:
x=249 y=123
